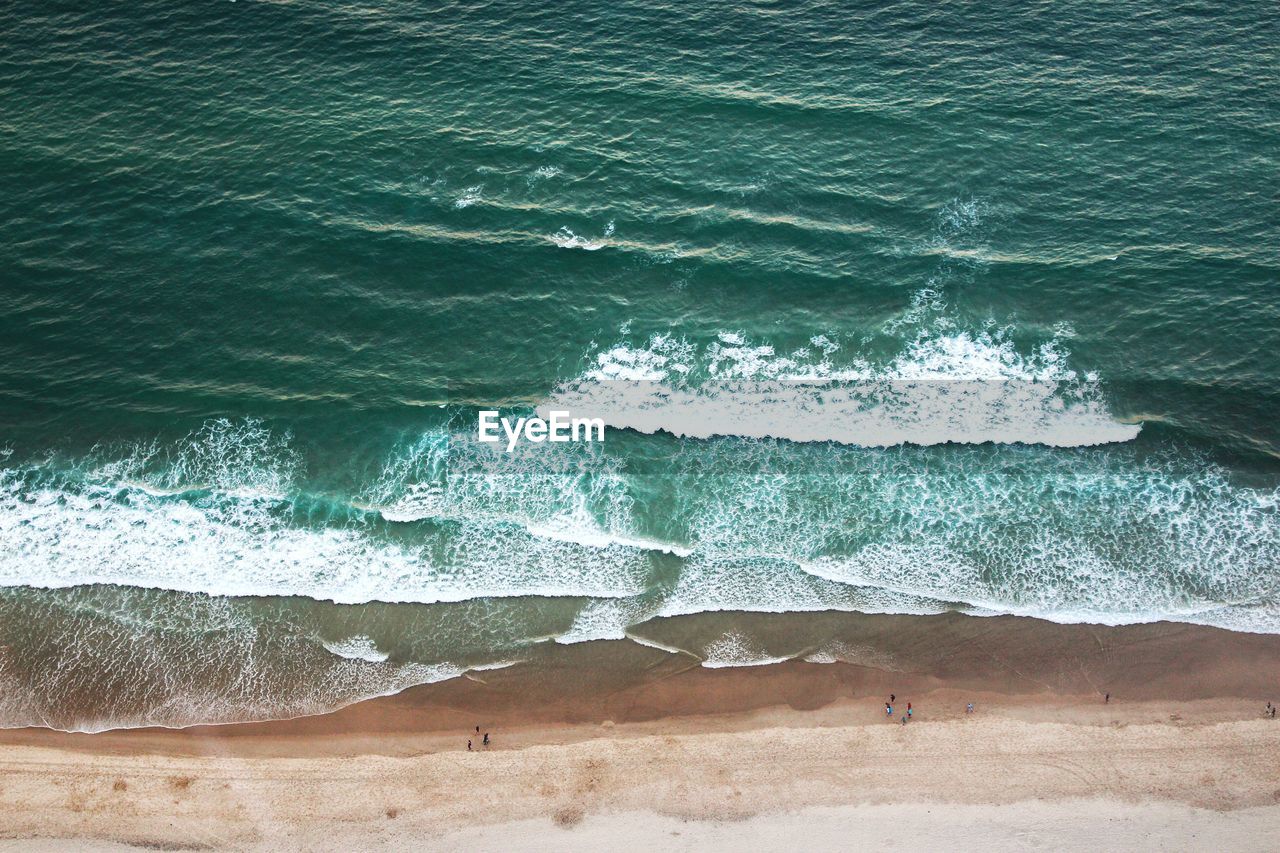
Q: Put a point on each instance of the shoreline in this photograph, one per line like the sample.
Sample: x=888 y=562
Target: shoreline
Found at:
x=722 y=756
x=655 y=678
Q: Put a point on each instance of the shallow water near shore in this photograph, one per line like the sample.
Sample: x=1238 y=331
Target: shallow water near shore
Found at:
x=912 y=311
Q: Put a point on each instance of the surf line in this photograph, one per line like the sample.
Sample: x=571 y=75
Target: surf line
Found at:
x=560 y=427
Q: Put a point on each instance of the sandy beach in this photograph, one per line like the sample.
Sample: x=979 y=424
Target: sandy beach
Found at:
x=749 y=755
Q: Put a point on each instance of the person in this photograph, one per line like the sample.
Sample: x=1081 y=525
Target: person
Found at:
x=477 y=730
x=1106 y=700
x=904 y=719
x=969 y=708
x=468 y=744
x=908 y=710
x=888 y=709
x=892 y=698
x=486 y=738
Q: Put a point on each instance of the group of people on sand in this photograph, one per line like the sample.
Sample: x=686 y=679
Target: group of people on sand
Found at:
x=484 y=743
x=906 y=717
x=888 y=709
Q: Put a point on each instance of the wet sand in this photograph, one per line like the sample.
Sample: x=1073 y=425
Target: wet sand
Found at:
x=600 y=736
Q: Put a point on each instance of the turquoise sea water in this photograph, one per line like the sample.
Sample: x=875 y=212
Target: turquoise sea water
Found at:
x=262 y=263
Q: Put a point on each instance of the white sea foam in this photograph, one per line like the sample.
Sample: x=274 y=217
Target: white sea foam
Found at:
x=737 y=649
x=358 y=647
x=56 y=538
x=579 y=527
x=59 y=531
x=565 y=238
x=545 y=493
x=838 y=651
x=1102 y=537
x=959 y=387
x=605 y=619
x=1111 y=537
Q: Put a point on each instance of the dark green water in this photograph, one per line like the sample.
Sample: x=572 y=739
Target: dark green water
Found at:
x=262 y=263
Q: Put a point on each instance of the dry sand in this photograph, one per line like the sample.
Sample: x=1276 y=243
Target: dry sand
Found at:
x=1012 y=776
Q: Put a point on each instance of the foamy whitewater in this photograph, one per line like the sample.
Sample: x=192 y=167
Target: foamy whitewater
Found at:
x=1125 y=537
x=961 y=388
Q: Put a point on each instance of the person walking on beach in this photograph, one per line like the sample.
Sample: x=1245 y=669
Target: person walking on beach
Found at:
x=486 y=739
x=908 y=710
x=969 y=708
x=892 y=698
x=468 y=744
x=1106 y=700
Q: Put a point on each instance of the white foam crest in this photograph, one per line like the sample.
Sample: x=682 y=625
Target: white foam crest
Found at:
x=838 y=651
x=242 y=457
x=565 y=238
x=359 y=647
x=490 y=667
x=960 y=387
x=579 y=527
x=605 y=619
x=736 y=649
x=770 y=584
x=1099 y=538
x=60 y=536
x=550 y=494
x=469 y=196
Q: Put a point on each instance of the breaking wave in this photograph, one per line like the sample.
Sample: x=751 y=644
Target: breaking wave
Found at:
x=1105 y=536
x=958 y=387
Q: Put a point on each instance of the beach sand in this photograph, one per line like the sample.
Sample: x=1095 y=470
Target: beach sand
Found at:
x=771 y=757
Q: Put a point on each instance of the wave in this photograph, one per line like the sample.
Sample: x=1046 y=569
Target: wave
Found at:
x=566 y=239
x=606 y=619
x=580 y=528
x=958 y=387
x=62 y=527
x=735 y=649
x=1104 y=536
x=1125 y=534
x=96 y=658
x=359 y=647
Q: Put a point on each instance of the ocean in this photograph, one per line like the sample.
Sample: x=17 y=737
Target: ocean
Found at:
x=889 y=308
